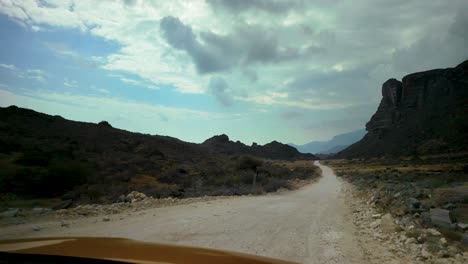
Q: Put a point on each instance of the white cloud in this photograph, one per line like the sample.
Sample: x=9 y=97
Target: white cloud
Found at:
x=34 y=74
x=102 y=90
x=70 y=83
x=130 y=81
x=8 y=66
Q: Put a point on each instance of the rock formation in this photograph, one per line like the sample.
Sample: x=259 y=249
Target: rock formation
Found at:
x=424 y=113
x=273 y=150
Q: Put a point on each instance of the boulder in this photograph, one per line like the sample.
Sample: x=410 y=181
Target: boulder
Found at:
x=425 y=253
x=11 y=212
x=425 y=219
x=440 y=217
x=40 y=210
x=388 y=225
x=462 y=226
x=464 y=240
x=65 y=204
x=414 y=205
x=433 y=232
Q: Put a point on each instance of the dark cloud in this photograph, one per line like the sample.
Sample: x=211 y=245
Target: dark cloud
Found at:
x=250 y=74
x=270 y=6
x=130 y=2
x=218 y=88
x=180 y=36
x=289 y=115
x=215 y=53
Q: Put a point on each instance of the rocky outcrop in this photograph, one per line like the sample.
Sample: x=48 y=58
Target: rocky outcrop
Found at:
x=273 y=150
x=424 y=113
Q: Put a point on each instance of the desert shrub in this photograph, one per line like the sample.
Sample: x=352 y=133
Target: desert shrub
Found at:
x=434 y=182
x=274 y=184
x=451 y=235
x=414 y=233
x=61 y=177
x=9 y=145
x=33 y=158
x=249 y=163
x=433 y=244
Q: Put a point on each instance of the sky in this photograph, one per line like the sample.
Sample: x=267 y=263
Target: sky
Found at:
x=256 y=70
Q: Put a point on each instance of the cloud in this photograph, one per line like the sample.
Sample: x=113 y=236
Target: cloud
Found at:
x=270 y=6
x=33 y=74
x=290 y=115
x=8 y=66
x=130 y=81
x=219 y=89
x=211 y=52
x=182 y=37
x=102 y=90
x=81 y=60
x=70 y=83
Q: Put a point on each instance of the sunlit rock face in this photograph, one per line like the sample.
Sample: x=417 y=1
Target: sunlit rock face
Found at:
x=425 y=112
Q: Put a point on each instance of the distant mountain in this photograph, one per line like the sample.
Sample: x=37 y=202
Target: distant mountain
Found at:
x=426 y=112
x=273 y=150
x=334 y=145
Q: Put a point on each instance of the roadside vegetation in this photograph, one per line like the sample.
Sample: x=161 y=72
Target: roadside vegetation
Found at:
x=419 y=191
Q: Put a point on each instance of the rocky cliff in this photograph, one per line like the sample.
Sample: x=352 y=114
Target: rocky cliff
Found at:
x=426 y=112
x=273 y=150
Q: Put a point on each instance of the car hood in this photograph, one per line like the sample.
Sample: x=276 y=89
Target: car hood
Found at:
x=126 y=250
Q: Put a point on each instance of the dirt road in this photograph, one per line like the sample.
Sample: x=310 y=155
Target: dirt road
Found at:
x=310 y=225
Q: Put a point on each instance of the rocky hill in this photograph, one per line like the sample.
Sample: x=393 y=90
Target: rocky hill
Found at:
x=426 y=112
x=273 y=150
x=49 y=156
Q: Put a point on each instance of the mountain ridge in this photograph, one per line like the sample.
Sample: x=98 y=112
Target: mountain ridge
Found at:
x=335 y=144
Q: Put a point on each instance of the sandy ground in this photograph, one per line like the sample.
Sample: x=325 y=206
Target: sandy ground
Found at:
x=310 y=225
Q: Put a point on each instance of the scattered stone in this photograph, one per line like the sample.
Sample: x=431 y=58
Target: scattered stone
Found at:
x=425 y=253
x=449 y=206
x=40 y=210
x=37 y=228
x=376 y=216
x=421 y=239
x=64 y=224
x=452 y=251
x=442 y=261
x=410 y=240
x=388 y=225
x=440 y=217
x=443 y=254
x=464 y=241
x=375 y=224
x=462 y=226
x=433 y=232
x=413 y=205
x=11 y=212
x=425 y=219
x=106 y=219
x=65 y=204
x=443 y=241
